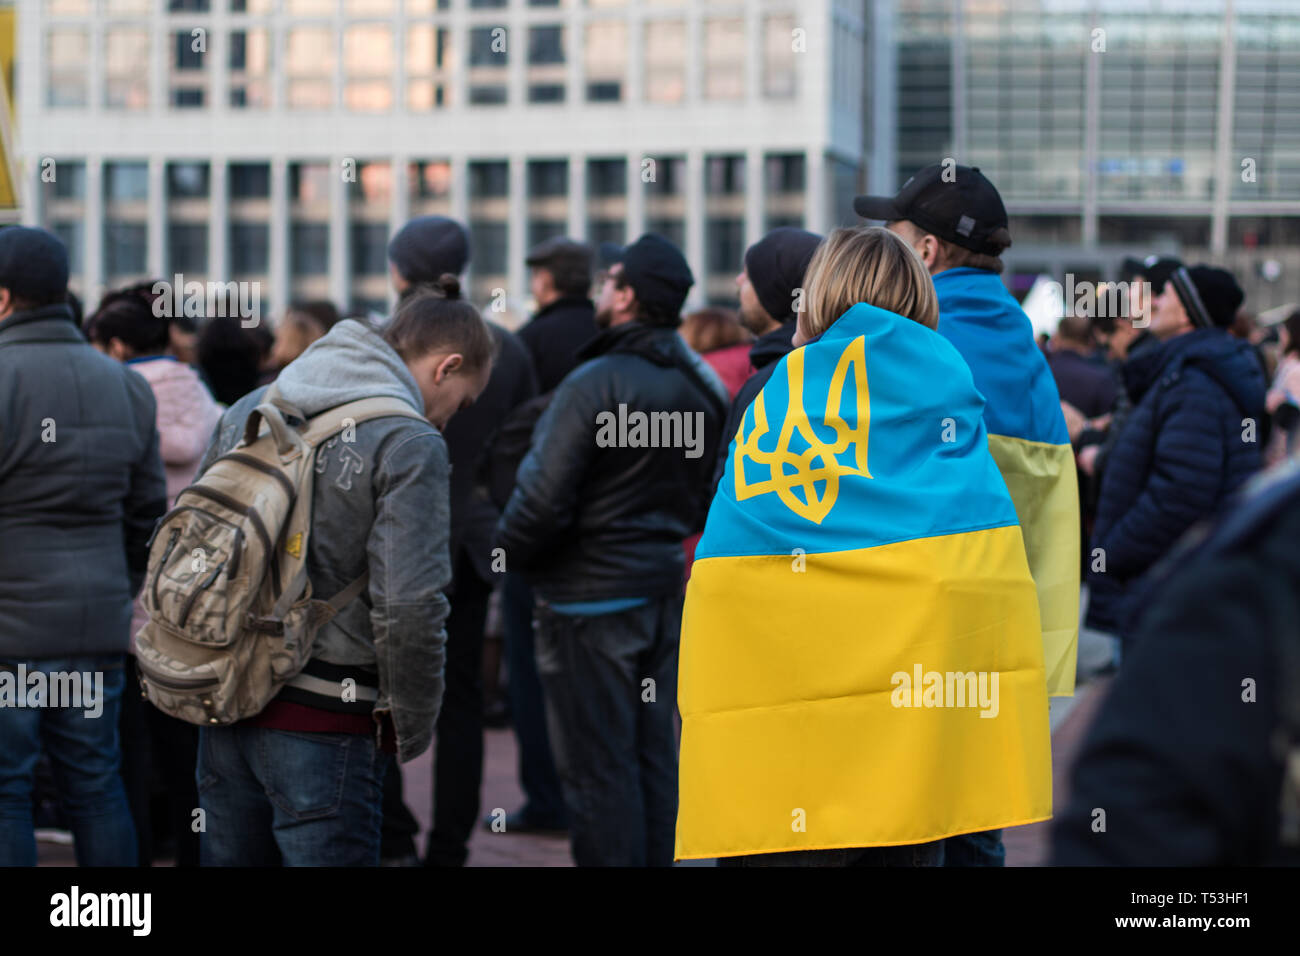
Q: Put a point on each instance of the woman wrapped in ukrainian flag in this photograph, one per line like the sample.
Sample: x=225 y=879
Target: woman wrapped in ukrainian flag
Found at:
x=861 y=667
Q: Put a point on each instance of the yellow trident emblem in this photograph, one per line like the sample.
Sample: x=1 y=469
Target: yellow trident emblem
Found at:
x=829 y=468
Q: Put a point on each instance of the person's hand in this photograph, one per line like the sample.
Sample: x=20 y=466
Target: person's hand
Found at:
x=1074 y=420
x=1087 y=459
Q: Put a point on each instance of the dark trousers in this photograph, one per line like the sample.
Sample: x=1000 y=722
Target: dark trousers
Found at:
x=458 y=743
x=975 y=849
x=159 y=754
x=543 y=796
x=913 y=854
x=611 y=692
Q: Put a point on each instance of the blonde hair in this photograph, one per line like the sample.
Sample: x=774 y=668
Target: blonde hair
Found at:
x=866 y=264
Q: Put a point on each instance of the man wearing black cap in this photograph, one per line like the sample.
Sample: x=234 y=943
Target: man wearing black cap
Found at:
x=955 y=220
x=769 y=286
x=1190 y=441
x=420 y=253
x=82 y=486
x=615 y=479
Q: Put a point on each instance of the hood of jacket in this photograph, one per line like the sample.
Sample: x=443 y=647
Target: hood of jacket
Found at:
x=1229 y=361
x=349 y=363
x=774 y=345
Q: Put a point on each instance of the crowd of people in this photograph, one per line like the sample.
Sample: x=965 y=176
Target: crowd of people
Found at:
x=743 y=559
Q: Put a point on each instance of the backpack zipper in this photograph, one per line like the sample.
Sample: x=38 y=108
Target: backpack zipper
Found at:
x=194 y=595
x=175 y=683
x=263 y=467
x=171 y=543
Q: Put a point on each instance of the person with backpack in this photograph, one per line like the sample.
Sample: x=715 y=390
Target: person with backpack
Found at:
x=596 y=520
x=81 y=486
x=353 y=581
x=1192 y=438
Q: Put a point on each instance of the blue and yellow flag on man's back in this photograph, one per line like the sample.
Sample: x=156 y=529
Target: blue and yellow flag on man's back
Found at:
x=1029 y=441
x=861 y=662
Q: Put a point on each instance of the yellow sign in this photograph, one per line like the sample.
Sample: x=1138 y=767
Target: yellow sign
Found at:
x=294 y=546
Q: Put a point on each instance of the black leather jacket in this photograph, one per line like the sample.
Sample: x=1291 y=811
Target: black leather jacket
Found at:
x=590 y=521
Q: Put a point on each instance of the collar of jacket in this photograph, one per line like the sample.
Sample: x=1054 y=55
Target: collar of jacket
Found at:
x=773 y=345
x=654 y=343
x=1154 y=362
x=49 y=323
x=565 y=302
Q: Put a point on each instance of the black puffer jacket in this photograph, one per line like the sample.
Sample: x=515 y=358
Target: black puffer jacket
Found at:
x=1183 y=450
x=587 y=522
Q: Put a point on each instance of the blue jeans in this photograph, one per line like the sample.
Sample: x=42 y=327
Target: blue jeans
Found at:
x=85 y=755
x=615 y=747
x=282 y=797
x=975 y=849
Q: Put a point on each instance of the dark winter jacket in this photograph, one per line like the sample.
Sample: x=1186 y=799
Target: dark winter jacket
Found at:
x=554 y=336
x=770 y=348
x=597 y=514
x=81 y=486
x=1088 y=386
x=1191 y=440
x=1186 y=754
x=470 y=435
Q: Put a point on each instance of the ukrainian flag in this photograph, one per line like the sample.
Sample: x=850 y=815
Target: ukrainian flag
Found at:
x=1029 y=441
x=861 y=550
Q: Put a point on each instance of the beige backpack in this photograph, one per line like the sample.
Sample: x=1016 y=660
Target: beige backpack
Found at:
x=231 y=614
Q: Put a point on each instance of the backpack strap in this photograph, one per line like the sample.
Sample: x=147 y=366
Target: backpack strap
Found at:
x=332 y=421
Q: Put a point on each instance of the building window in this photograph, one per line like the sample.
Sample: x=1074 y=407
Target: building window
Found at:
x=671 y=228
x=310 y=67
x=481 y=95
x=189 y=6
x=250 y=68
x=125 y=248
x=126 y=84
x=369 y=249
x=69 y=181
x=606 y=177
x=667 y=176
x=785 y=173
x=73 y=234
x=724 y=175
x=724 y=241
x=68 y=54
x=488 y=55
x=488 y=240
x=489 y=180
x=126 y=182
x=310 y=248
x=309 y=183
x=487 y=46
x=187 y=180
x=249 y=180
x=367 y=62
x=724 y=59
x=779 y=73
x=373 y=185
x=430 y=180
x=665 y=61
x=189 y=81
x=430 y=63
x=548 y=177
x=545 y=93
x=545 y=45
x=250 y=248
x=539 y=230
x=187 y=247
x=606 y=58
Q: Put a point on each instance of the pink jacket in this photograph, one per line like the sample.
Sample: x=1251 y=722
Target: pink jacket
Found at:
x=732 y=365
x=187 y=415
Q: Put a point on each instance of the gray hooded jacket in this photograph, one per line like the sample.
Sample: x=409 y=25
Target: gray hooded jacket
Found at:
x=380 y=504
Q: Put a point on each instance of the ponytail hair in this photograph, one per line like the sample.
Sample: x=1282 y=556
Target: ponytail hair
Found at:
x=433 y=317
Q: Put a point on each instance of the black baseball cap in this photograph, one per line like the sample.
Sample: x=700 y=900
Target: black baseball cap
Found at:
x=1155 y=269
x=654 y=268
x=966 y=211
